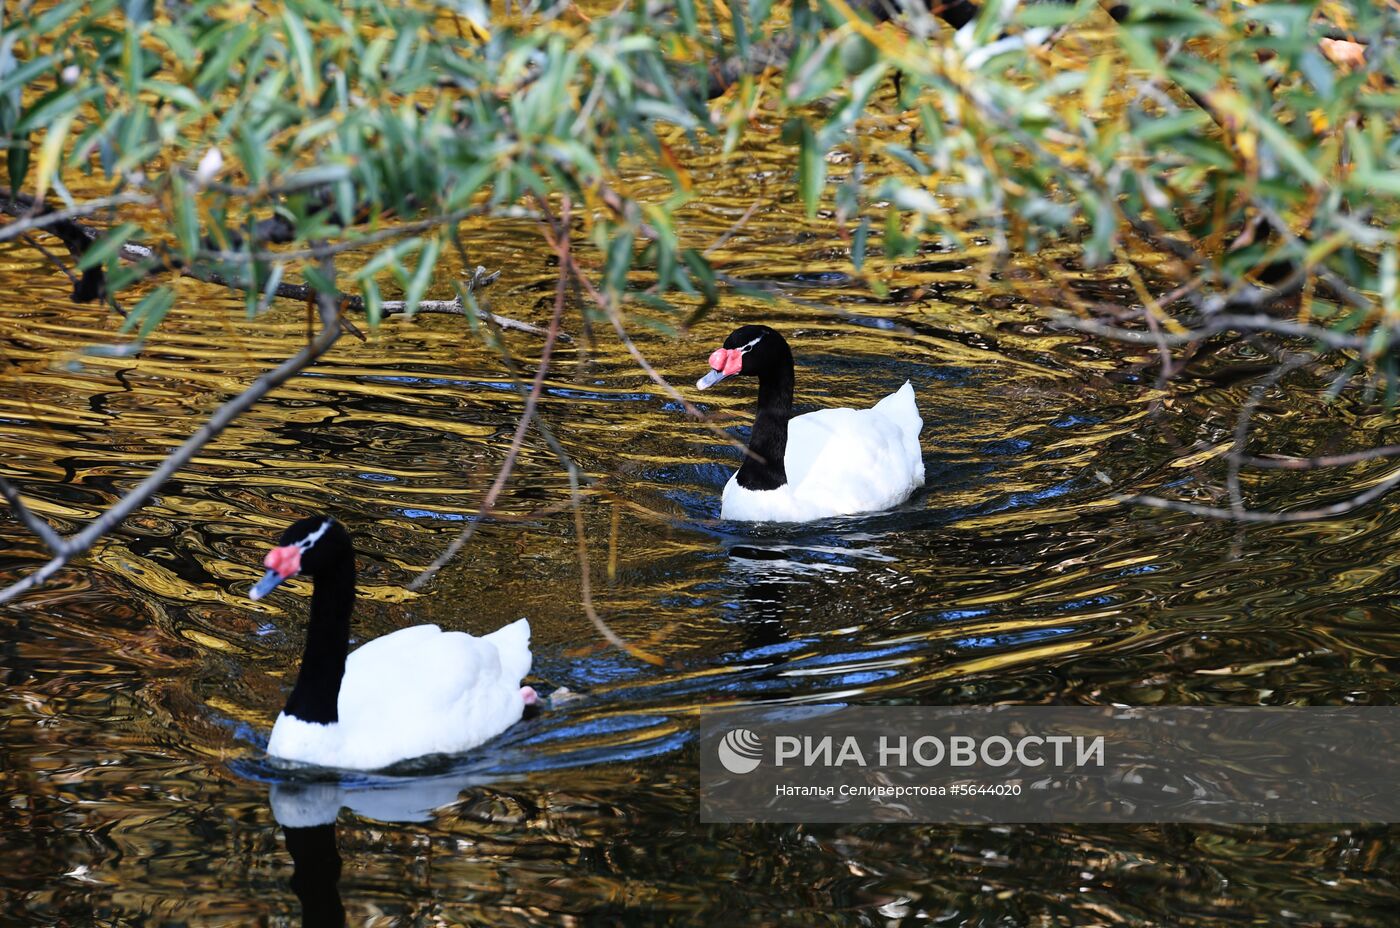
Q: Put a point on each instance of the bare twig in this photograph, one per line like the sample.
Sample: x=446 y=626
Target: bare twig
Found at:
x=568 y=265
x=317 y=252
x=144 y=254
x=1289 y=462
x=53 y=259
x=1246 y=418
x=517 y=440
x=1223 y=322
x=782 y=290
x=586 y=583
x=1164 y=351
x=455 y=307
x=734 y=229
x=55 y=542
x=560 y=241
x=615 y=317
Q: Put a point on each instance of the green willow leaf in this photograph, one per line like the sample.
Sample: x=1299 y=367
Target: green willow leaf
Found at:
x=318 y=281
x=1286 y=147
x=301 y=45
x=618 y=263
x=811 y=170
x=374 y=302
x=186 y=218
x=704 y=275
x=422 y=275
x=149 y=312
x=17 y=162
x=50 y=151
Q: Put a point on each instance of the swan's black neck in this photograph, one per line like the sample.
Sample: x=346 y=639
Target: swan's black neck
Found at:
x=317 y=691
x=763 y=466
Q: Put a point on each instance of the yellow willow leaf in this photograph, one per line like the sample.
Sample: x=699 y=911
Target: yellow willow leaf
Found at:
x=478 y=31
x=50 y=151
x=1248 y=145
x=1343 y=53
x=1338 y=14
x=890 y=45
x=682 y=173
x=1200 y=457
x=1096 y=86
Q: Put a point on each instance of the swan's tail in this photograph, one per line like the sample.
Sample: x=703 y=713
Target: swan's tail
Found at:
x=513 y=645
x=899 y=407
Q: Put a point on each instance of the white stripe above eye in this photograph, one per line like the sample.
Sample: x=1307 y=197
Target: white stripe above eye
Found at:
x=309 y=540
x=745 y=348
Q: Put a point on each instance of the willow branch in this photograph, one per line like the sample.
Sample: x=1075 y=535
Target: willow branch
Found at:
x=33 y=216
x=518 y=439
x=455 y=307
x=1289 y=462
x=1271 y=518
x=1224 y=322
x=56 y=542
x=586 y=582
x=77 y=544
x=78 y=236
x=1243 y=425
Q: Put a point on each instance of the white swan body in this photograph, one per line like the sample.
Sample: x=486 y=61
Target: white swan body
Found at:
x=840 y=462
x=414 y=692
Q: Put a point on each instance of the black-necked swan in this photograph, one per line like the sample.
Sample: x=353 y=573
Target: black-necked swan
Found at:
x=832 y=462
x=413 y=692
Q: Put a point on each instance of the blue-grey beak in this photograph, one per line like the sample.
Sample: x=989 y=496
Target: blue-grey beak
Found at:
x=266 y=585
x=709 y=380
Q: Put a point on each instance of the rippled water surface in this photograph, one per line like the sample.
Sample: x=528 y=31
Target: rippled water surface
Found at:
x=140 y=685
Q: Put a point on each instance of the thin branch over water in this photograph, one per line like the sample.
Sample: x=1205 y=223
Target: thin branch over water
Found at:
x=66 y=548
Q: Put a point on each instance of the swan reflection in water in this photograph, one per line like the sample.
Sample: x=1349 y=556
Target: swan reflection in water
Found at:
x=307 y=812
x=767 y=573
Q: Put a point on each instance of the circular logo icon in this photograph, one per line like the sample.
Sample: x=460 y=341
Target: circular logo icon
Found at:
x=741 y=751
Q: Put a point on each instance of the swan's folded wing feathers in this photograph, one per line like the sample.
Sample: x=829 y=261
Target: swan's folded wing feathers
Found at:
x=512 y=644
x=841 y=454
x=413 y=671
x=810 y=436
x=901 y=408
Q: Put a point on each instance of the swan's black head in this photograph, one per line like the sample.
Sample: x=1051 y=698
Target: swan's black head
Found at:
x=752 y=350
x=317 y=544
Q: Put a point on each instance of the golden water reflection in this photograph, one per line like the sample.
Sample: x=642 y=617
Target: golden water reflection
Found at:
x=139 y=683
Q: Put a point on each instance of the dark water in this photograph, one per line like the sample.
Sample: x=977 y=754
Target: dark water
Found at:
x=140 y=685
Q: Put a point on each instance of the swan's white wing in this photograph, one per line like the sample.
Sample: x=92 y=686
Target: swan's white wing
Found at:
x=821 y=441
x=857 y=462
x=901 y=409
x=416 y=669
x=423 y=691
